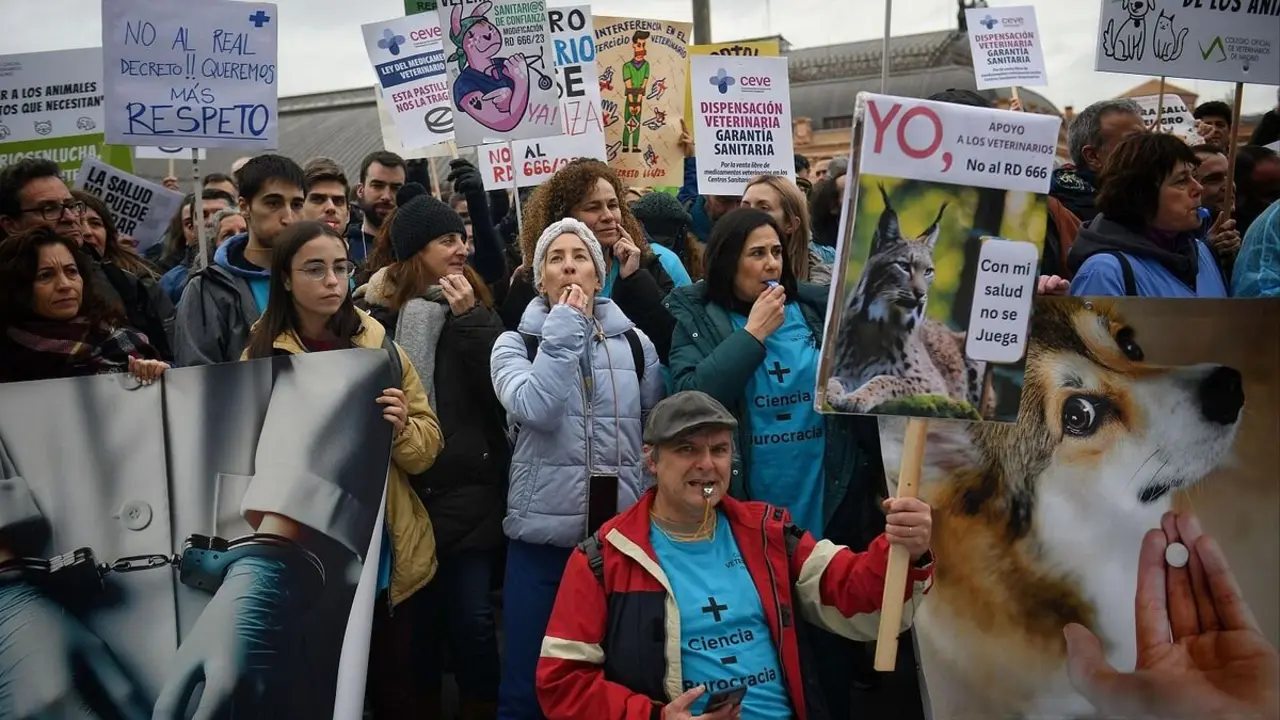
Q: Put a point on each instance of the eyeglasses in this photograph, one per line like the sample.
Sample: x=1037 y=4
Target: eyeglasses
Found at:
x=52 y=212
x=342 y=269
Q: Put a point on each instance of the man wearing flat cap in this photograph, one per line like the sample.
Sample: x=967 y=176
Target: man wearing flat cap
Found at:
x=684 y=606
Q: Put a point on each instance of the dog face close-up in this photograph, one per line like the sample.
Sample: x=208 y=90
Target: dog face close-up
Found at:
x=1138 y=8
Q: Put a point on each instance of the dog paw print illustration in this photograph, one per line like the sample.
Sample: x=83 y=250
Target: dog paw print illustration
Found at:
x=657 y=120
x=1128 y=42
x=390 y=41
x=44 y=127
x=608 y=112
x=86 y=123
x=4 y=132
x=723 y=81
x=659 y=88
x=1167 y=40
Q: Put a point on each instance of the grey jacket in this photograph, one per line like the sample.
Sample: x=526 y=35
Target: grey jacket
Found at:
x=214 y=317
x=571 y=429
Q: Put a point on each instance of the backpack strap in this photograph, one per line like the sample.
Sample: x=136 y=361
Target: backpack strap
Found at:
x=394 y=354
x=1126 y=269
x=592 y=548
x=531 y=345
x=637 y=353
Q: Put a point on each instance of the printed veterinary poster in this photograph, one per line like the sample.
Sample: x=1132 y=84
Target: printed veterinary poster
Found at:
x=141 y=208
x=408 y=57
x=391 y=136
x=746 y=48
x=937 y=261
x=1005 y=42
x=210 y=561
x=198 y=74
x=51 y=108
x=1227 y=40
x=501 y=74
x=1176 y=118
x=644 y=74
x=1131 y=408
x=742 y=127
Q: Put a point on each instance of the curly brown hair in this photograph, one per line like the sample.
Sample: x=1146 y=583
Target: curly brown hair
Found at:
x=554 y=199
x=1129 y=184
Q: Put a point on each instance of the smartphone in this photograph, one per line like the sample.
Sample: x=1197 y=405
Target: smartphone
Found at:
x=723 y=698
x=602 y=501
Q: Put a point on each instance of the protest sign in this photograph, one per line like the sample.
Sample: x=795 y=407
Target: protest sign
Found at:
x=391 y=136
x=51 y=108
x=937 y=262
x=1005 y=43
x=742 y=125
x=1227 y=40
x=644 y=75
x=202 y=74
x=746 y=48
x=413 y=7
x=140 y=208
x=1132 y=407
x=168 y=153
x=1176 y=118
x=408 y=58
x=495 y=166
x=501 y=72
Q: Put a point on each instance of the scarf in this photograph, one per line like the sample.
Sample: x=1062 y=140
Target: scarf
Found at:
x=418 y=331
x=47 y=349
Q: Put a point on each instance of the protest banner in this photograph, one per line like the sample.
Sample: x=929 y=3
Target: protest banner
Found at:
x=501 y=72
x=174 y=478
x=51 y=108
x=1176 y=118
x=495 y=166
x=143 y=152
x=391 y=136
x=644 y=75
x=408 y=58
x=1132 y=407
x=1005 y=43
x=1226 y=40
x=413 y=7
x=140 y=208
x=742 y=126
x=202 y=74
x=746 y=48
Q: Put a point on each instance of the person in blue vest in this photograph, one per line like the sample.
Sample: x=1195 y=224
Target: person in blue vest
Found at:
x=1145 y=239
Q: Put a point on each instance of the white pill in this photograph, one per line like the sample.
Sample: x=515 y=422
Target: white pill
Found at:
x=1177 y=555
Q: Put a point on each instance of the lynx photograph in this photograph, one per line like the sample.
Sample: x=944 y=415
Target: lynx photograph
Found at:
x=902 y=298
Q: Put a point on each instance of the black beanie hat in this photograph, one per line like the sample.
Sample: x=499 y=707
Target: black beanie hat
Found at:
x=418 y=222
x=409 y=192
x=663 y=216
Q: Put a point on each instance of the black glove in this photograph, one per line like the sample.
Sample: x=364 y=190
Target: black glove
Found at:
x=465 y=177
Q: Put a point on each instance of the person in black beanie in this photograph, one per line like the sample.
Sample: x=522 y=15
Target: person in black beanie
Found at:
x=667 y=223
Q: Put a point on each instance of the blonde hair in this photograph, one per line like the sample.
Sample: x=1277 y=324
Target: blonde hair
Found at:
x=795 y=210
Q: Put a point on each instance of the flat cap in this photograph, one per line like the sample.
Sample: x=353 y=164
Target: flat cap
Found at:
x=682 y=412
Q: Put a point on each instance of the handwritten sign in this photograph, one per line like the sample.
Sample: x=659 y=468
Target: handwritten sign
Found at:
x=1002 y=296
x=742 y=123
x=1175 y=120
x=201 y=74
x=495 y=166
x=501 y=73
x=1006 y=47
x=140 y=208
x=1227 y=40
x=408 y=58
x=168 y=153
x=922 y=140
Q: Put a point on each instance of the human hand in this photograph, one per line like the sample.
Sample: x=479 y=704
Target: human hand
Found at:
x=1223 y=236
x=395 y=409
x=170 y=182
x=1052 y=285
x=1015 y=105
x=147 y=371
x=686 y=140
x=574 y=297
x=459 y=293
x=465 y=177
x=128 y=242
x=1200 y=652
x=767 y=312
x=627 y=254
x=909 y=523
x=678 y=709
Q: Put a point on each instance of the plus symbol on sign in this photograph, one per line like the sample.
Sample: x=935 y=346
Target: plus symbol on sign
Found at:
x=779 y=372
x=714 y=608
x=259 y=19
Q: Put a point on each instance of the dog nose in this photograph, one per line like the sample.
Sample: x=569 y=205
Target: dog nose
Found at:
x=1222 y=395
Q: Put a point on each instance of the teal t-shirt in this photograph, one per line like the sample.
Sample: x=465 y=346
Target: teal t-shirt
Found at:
x=724 y=639
x=261 y=288
x=788 y=436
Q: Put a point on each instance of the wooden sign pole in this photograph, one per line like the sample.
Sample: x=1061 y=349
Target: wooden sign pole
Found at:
x=1159 y=105
x=895 y=577
x=1230 y=203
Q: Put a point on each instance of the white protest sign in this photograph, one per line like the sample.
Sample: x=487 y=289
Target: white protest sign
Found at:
x=140 y=208
x=501 y=74
x=408 y=58
x=957 y=144
x=202 y=74
x=495 y=166
x=741 y=121
x=1006 y=47
x=168 y=153
x=1227 y=40
x=50 y=95
x=1175 y=120
x=1003 y=292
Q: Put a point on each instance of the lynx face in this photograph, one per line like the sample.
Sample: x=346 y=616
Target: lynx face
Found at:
x=895 y=283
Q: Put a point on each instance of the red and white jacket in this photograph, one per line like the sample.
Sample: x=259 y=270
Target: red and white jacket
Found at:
x=612 y=649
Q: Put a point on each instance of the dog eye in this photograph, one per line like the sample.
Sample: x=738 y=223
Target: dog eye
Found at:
x=1128 y=345
x=1080 y=416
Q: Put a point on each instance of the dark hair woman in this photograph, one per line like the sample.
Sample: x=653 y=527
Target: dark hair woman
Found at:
x=54 y=321
x=441 y=312
x=1145 y=240
x=99 y=232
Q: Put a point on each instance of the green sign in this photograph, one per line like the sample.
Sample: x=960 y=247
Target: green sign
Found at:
x=68 y=152
x=413 y=7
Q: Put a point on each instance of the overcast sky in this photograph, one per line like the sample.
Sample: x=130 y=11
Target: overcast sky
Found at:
x=321 y=47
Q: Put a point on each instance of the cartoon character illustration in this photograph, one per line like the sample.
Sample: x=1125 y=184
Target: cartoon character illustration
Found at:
x=86 y=123
x=658 y=90
x=1166 y=42
x=657 y=120
x=612 y=151
x=1130 y=41
x=493 y=90
x=4 y=131
x=606 y=80
x=635 y=80
x=650 y=157
x=44 y=127
x=609 y=112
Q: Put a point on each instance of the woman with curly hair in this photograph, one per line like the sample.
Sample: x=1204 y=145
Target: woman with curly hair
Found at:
x=100 y=233
x=637 y=277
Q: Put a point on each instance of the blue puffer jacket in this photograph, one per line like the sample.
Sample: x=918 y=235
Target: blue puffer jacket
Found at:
x=571 y=429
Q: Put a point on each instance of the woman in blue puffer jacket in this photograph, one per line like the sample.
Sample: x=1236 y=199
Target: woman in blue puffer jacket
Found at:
x=576 y=379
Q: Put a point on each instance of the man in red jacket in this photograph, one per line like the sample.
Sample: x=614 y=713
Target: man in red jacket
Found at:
x=685 y=606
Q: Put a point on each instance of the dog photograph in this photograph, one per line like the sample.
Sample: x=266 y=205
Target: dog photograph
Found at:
x=1131 y=409
x=903 y=294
